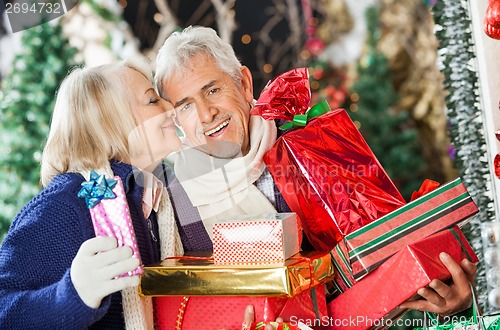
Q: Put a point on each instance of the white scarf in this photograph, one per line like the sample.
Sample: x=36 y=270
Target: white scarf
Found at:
x=221 y=188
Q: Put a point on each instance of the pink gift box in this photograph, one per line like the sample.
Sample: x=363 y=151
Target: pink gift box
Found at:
x=265 y=238
x=110 y=212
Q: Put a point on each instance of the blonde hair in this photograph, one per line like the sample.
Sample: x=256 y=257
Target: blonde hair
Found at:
x=92 y=120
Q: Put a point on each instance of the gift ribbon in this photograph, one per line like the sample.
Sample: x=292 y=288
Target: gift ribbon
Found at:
x=464 y=250
x=314 y=264
x=301 y=120
x=426 y=187
x=97 y=189
x=180 y=313
x=190 y=258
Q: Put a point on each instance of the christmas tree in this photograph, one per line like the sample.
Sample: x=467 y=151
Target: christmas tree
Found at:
x=26 y=105
x=390 y=133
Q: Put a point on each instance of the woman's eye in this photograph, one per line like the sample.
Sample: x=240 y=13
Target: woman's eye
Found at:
x=154 y=100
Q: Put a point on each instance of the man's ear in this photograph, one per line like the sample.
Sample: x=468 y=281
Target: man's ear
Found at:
x=247 y=83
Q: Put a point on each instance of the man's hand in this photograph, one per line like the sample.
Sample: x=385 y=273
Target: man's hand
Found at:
x=444 y=299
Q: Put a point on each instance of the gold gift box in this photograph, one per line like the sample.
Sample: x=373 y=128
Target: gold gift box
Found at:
x=196 y=275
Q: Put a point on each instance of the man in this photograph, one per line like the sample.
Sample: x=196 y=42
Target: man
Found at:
x=213 y=95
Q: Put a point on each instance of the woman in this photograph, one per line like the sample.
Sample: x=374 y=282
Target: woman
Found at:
x=54 y=272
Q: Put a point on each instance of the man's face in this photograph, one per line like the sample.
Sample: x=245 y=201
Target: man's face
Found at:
x=211 y=108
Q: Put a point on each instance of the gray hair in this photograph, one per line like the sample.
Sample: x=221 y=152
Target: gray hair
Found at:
x=180 y=47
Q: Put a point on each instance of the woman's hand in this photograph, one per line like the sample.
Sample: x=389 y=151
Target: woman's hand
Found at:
x=95 y=267
x=444 y=299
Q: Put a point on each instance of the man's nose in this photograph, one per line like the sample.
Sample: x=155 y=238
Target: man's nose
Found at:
x=206 y=112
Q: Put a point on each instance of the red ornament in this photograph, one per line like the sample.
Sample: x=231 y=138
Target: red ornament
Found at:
x=497 y=134
x=492 y=19
x=492 y=16
x=491 y=31
x=496 y=163
x=314 y=46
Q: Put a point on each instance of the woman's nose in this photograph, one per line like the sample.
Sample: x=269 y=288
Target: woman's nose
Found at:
x=170 y=113
x=168 y=107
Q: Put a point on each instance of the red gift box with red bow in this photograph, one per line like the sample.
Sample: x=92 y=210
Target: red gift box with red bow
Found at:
x=324 y=168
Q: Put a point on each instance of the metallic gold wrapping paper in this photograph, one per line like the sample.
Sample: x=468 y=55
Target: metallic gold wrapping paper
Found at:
x=198 y=276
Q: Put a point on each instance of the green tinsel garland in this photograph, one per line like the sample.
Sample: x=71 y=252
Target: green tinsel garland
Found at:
x=466 y=126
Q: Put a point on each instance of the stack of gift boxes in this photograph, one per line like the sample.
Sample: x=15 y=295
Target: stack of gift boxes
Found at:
x=383 y=248
x=256 y=261
x=378 y=249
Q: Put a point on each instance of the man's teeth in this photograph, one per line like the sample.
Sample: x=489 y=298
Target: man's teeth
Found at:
x=218 y=128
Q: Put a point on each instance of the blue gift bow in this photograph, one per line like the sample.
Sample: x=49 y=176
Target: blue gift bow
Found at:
x=97 y=189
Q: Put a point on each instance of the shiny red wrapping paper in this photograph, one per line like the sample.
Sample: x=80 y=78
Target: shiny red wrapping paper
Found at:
x=325 y=171
x=213 y=313
x=284 y=96
x=372 y=302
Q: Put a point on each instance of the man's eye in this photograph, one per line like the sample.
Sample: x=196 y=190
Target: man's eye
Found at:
x=213 y=91
x=185 y=107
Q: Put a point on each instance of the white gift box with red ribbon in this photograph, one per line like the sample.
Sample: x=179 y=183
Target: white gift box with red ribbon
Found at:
x=264 y=238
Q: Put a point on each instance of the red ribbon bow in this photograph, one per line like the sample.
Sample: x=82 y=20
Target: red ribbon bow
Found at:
x=285 y=96
x=426 y=187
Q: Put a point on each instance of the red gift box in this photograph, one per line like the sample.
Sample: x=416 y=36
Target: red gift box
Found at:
x=213 y=313
x=325 y=171
x=373 y=302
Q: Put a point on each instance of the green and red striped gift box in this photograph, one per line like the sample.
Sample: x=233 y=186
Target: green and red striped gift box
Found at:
x=366 y=248
x=442 y=208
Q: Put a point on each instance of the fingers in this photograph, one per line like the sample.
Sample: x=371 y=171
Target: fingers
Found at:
x=457 y=273
x=97 y=265
x=110 y=257
x=271 y=327
x=419 y=305
x=447 y=299
x=119 y=268
x=470 y=269
x=248 y=318
x=97 y=244
x=438 y=295
x=119 y=284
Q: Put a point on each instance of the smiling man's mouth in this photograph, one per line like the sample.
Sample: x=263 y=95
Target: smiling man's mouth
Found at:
x=217 y=129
